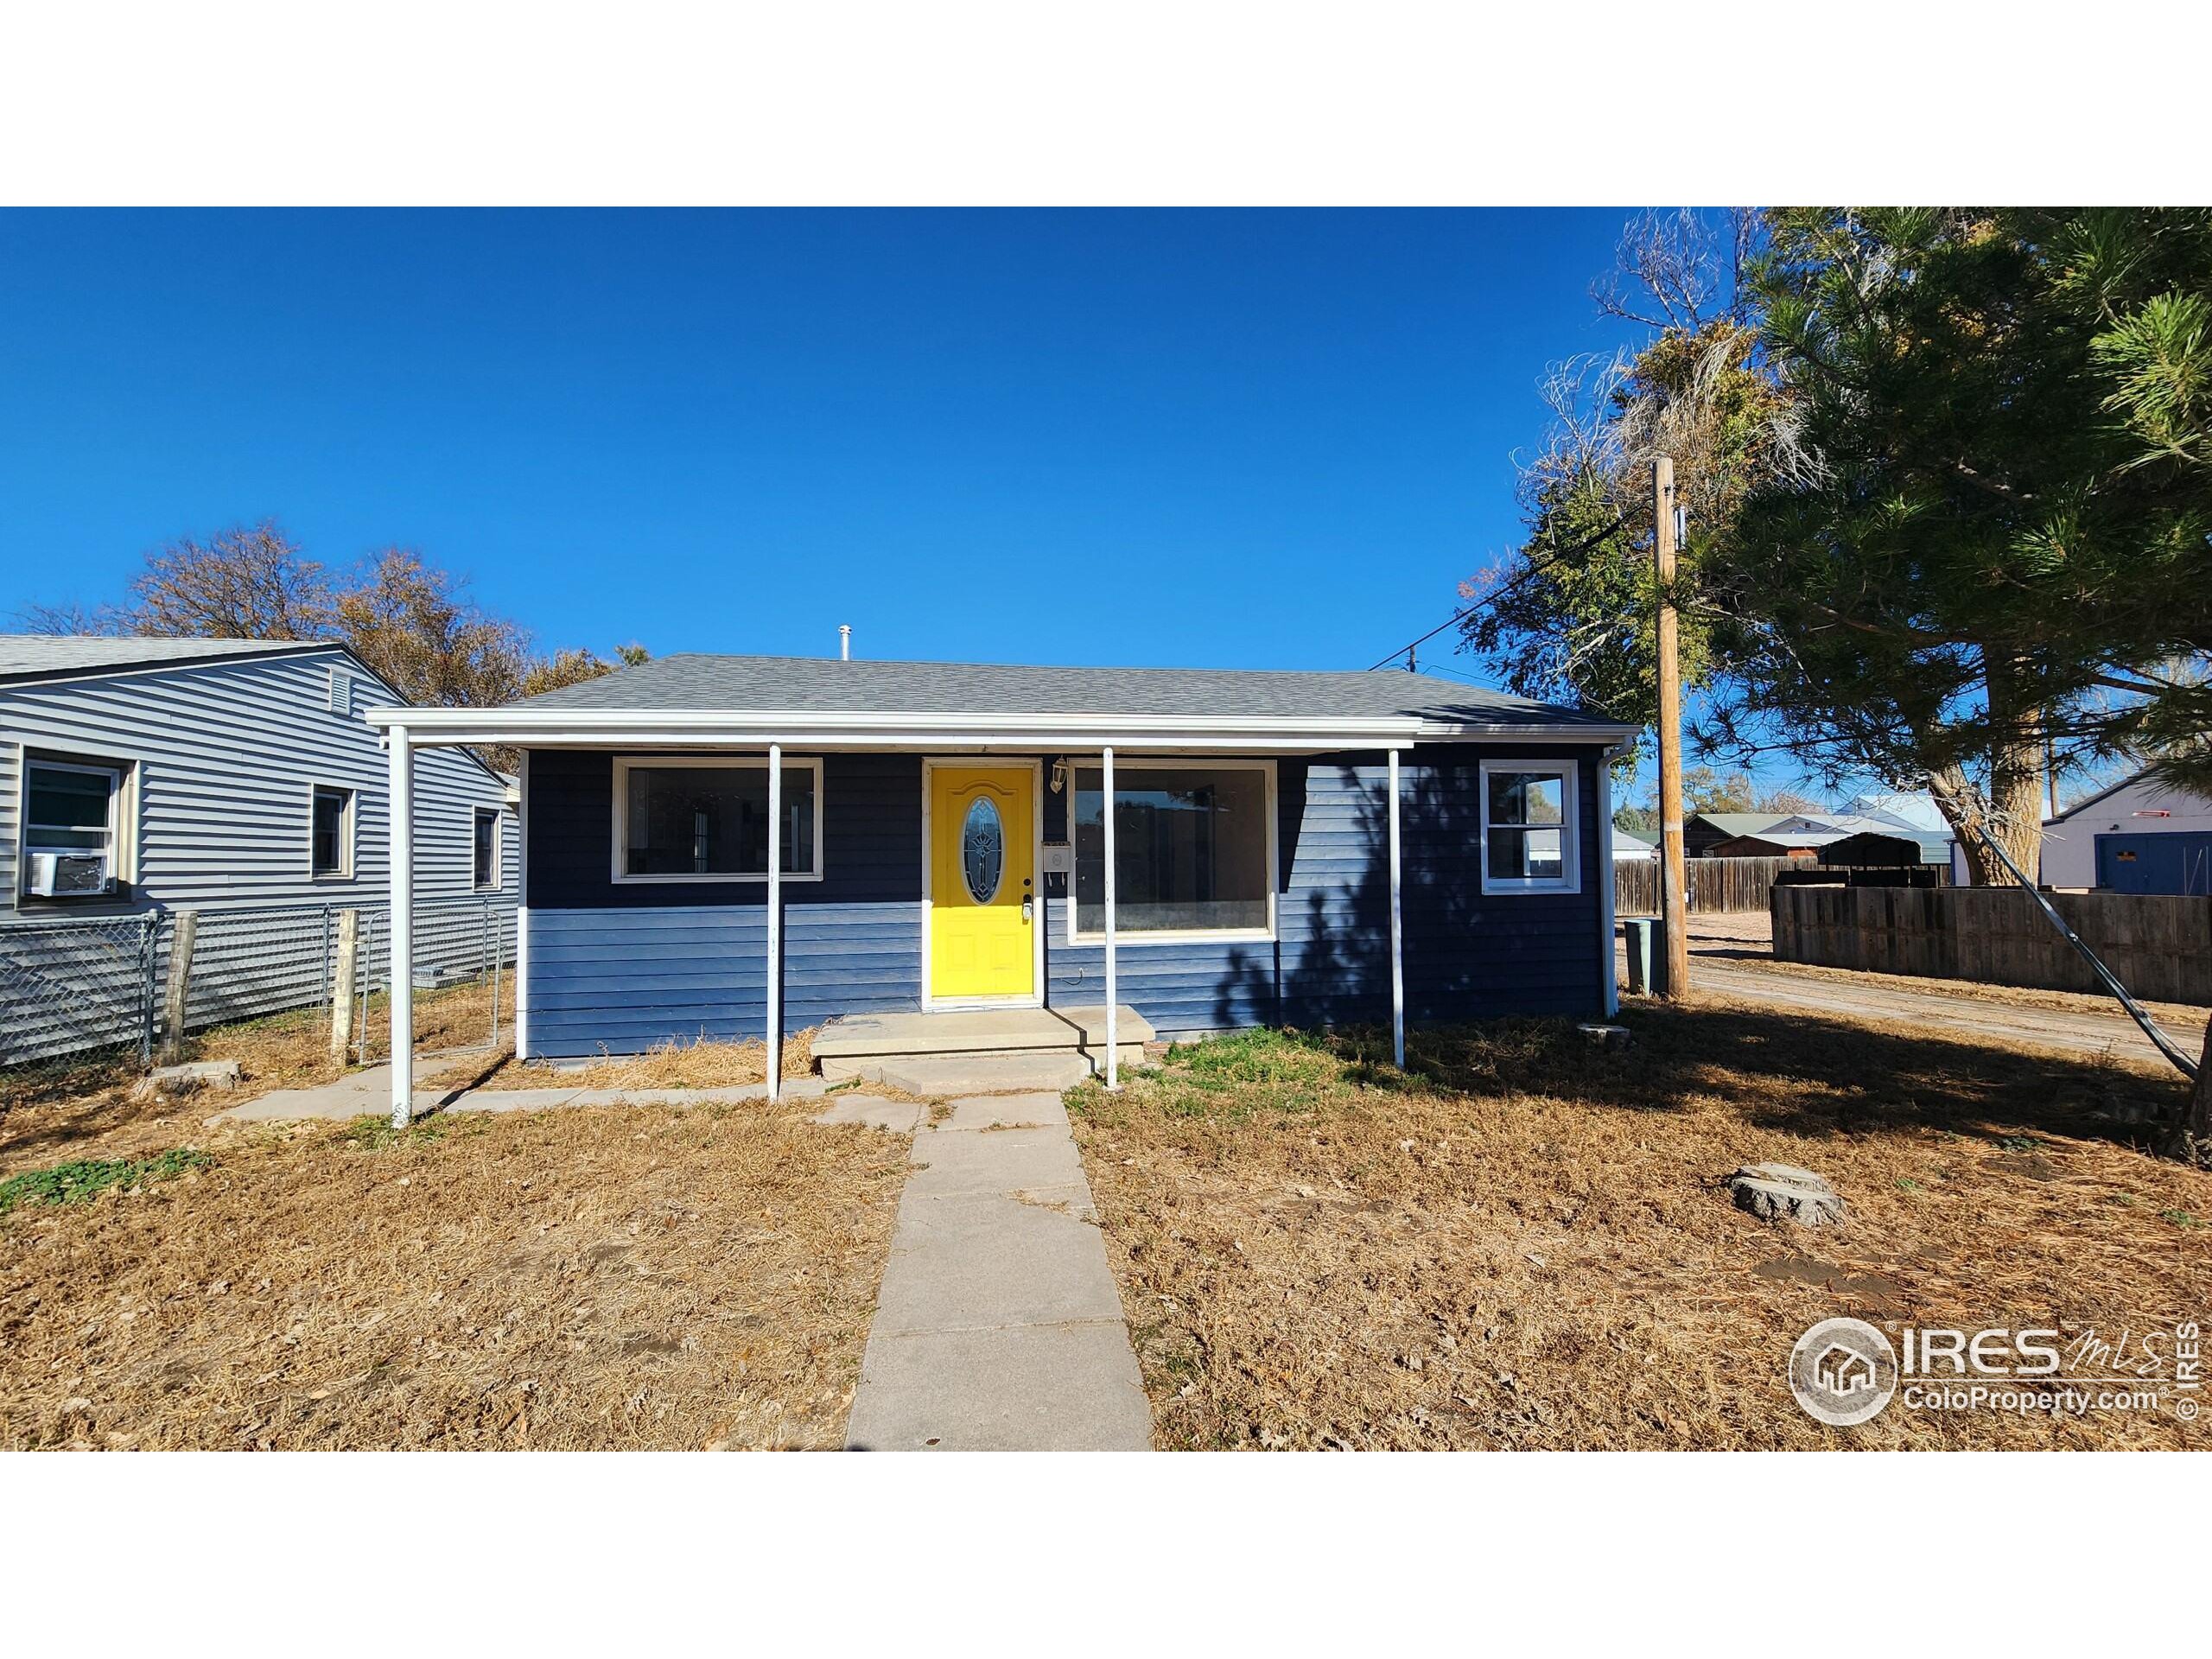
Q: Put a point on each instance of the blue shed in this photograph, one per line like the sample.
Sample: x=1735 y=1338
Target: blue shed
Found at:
x=740 y=846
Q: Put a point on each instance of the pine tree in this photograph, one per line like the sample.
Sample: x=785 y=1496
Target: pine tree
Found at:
x=1986 y=539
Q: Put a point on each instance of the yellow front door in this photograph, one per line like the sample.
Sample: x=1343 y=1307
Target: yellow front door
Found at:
x=982 y=882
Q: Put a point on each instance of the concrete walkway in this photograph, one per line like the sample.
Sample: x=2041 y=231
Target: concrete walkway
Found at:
x=999 y=1327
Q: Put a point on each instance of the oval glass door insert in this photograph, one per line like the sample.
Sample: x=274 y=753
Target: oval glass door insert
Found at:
x=982 y=850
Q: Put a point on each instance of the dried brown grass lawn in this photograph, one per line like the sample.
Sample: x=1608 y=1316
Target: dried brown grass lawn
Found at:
x=701 y=1065
x=1523 y=1243
x=624 y=1277
x=83 y=1106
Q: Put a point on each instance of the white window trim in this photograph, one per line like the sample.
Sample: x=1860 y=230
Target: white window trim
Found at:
x=122 y=825
x=624 y=763
x=1570 y=825
x=498 y=816
x=347 y=839
x=1129 y=937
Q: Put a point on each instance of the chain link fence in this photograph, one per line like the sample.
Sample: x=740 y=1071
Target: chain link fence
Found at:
x=72 y=985
x=79 y=984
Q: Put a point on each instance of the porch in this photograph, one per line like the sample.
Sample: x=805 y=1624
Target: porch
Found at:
x=1013 y=1048
x=701 y=862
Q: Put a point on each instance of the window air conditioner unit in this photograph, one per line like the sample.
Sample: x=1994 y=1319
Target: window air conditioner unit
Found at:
x=60 y=875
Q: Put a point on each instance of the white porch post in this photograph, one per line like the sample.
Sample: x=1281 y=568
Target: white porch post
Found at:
x=1106 y=784
x=522 y=909
x=1397 y=933
x=775 y=921
x=1608 y=977
x=400 y=814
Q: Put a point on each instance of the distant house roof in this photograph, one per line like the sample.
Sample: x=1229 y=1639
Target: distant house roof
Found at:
x=1649 y=838
x=1629 y=844
x=1732 y=824
x=828 y=685
x=1935 y=844
x=2111 y=789
x=1773 y=845
x=1913 y=810
x=63 y=657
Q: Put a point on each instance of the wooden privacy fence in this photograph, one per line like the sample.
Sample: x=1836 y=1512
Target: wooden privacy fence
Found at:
x=1715 y=884
x=2161 y=947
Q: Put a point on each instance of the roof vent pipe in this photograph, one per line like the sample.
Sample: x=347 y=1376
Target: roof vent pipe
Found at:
x=844 y=642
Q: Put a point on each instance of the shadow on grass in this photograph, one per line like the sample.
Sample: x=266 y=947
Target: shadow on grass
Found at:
x=1788 y=1069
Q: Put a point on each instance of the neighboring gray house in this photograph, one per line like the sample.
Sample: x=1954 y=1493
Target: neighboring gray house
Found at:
x=2138 y=835
x=141 y=775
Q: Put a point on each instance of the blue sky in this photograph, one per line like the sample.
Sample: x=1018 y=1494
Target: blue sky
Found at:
x=1262 y=439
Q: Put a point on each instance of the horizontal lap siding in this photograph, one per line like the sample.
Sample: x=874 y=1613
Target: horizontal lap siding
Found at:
x=1471 y=955
x=1329 y=964
x=11 y=790
x=227 y=756
x=623 y=967
x=1467 y=955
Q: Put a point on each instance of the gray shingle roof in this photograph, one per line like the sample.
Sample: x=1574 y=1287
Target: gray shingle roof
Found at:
x=57 y=656
x=827 y=685
x=1732 y=824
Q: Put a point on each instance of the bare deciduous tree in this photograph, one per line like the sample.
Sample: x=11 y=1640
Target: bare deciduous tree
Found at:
x=1680 y=271
x=413 y=623
x=418 y=629
x=249 y=582
x=72 y=619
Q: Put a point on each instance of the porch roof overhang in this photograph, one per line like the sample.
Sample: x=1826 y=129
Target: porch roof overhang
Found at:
x=574 y=727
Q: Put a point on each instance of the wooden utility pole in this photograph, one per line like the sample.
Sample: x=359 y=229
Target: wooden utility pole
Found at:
x=1673 y=911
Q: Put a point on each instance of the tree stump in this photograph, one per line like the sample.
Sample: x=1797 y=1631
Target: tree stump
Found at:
x=1785 y=1192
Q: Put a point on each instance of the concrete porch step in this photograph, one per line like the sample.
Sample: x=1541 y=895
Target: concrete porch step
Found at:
x=978 y=1031
x=968 y=1074
x=980 y=1071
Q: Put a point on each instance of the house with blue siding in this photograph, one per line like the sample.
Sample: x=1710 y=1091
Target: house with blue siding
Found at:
x=741 y=847
x=141 y=777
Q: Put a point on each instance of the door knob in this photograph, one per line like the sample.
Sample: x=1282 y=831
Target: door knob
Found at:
x=1027 y=906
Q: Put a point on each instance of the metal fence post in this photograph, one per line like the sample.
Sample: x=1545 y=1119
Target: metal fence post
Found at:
x=499 y=953
x=368 y=972
x=148 y=951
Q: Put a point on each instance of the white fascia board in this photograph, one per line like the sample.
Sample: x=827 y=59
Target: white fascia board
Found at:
x=754 y=728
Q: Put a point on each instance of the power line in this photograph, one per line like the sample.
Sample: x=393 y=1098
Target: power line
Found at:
x=1534 y=570
x=1457 y=674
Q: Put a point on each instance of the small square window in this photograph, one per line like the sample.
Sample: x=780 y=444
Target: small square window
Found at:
x=330 y=841
x=71 y=814
x=486 y=845
x=1528 y=827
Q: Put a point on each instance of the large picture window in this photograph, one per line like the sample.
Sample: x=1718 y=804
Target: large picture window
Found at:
x=1528 y=827
x=1192 y=850
x=688 y=821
